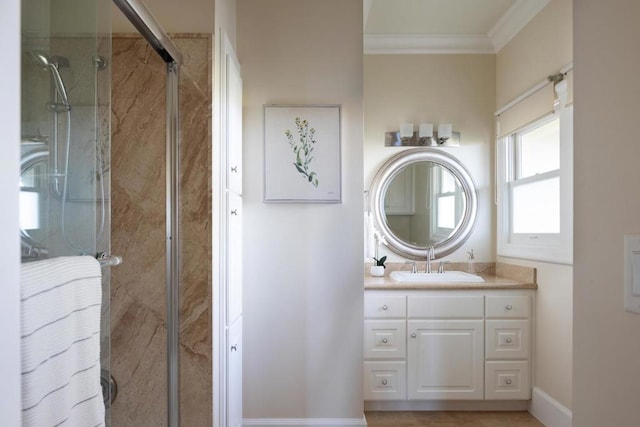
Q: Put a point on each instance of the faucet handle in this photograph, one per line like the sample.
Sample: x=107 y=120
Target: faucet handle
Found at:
x=414 y=269
x=441 y=266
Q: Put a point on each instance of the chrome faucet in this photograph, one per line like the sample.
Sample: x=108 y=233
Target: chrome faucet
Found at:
x=431 y=255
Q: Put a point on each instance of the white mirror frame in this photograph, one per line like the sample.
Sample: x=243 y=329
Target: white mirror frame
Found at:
x=390 y=169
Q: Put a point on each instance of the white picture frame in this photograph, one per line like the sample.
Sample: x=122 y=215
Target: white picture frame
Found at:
x=302 y=154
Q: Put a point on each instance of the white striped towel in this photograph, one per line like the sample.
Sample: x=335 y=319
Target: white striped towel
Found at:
x=61 y=300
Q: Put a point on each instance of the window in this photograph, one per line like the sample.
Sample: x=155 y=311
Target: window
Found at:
x=447 y=204
x=535 y=190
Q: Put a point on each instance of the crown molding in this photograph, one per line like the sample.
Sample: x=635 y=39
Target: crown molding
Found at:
x=513 y=21
x=509 y=24
x=379 y=44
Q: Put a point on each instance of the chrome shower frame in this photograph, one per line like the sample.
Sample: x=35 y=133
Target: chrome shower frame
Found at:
x=150 y=29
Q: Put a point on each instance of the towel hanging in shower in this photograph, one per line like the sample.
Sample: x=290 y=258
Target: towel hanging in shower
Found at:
x=61 y=307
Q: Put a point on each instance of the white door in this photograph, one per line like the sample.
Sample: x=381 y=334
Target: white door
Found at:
x=233 y=86
x=228 y=372
x=234 y=376
x=234 y=257
x=445 y=359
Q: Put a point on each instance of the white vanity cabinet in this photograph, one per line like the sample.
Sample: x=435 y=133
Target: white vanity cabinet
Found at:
x=508 y=347
x=447 y=345
x=385 y=368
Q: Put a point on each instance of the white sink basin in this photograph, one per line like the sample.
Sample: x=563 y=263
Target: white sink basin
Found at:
x=446 y=277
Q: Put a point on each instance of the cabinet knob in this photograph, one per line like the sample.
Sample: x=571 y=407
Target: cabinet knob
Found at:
x=234 y=347
x=413 y=335
x=509 y=307
x=384 y=382
x=385 y=307
x=508 y=340
x=234 y=169
x=234 y=212
x=384 y=340
x=507 y=381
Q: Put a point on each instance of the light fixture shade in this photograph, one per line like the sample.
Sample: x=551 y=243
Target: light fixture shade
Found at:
x=444 y=131
x=406 y=130
x=426 y=130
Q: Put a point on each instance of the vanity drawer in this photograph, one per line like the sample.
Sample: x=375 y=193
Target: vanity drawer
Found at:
x=507 y=381
x=446 y=306
x=507 y=339
x=385 y=381
x=384 y=306
x=385 y=339
x=509 y=306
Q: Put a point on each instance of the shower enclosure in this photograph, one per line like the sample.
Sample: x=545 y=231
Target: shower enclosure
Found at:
x=65 y=144
x=65 y=183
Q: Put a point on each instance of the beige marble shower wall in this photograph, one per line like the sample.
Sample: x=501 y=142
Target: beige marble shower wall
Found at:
x=138 y=233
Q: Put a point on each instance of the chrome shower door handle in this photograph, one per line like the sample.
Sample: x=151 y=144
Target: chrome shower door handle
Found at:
x=108 y=260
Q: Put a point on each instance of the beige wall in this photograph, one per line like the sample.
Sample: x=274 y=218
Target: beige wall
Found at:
x=226 y=19
x=607 y=206
x=10 y=359
x=303 y=299
x=542 y=48
x=457 y=89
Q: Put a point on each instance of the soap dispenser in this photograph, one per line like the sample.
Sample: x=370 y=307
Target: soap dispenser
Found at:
x=471 y=262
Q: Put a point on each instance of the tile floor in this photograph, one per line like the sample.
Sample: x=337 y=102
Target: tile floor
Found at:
x=451 y=419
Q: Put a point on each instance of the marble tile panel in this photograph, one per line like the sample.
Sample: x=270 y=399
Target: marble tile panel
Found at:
x=138 y=158
x=138 y=340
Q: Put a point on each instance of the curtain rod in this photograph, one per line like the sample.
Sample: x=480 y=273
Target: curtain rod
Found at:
x=515 y=101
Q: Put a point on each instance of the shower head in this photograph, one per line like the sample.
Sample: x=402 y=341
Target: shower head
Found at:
x=41 y=59
x=52 y=64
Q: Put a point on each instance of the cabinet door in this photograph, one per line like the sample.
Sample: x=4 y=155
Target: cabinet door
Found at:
x=234 y=375
x=400 y=198
x=384 y=305
x=507 y=339
x=385 y=380
x=507 y=380
x=234 y=124
x=384 y=339
x=445 y=359
x=234 y=254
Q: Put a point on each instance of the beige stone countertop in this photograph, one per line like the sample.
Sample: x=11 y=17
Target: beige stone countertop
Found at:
x=495 y=275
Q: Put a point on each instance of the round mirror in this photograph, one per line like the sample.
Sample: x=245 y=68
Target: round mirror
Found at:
x=423 y=197
x=33 y=191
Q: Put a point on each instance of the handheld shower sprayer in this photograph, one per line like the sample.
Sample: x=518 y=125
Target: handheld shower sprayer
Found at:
x=52 y=65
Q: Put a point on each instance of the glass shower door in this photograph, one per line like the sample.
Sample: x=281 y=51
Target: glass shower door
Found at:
x=65 y=144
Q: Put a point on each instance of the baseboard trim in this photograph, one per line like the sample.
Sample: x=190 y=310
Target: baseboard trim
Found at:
x=549 y=411
x=304 y=422
x=446 y=405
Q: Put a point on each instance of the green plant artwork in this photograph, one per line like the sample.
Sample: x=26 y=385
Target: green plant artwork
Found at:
x=302 y=147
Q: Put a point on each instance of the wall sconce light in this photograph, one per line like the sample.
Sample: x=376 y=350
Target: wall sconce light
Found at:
x=444 y=132
x=425 y=133
x=424 y=137
x=406 y=132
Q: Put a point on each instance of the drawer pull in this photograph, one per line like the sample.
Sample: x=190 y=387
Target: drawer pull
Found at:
x=234 y=169
x=508 y=307
x=507 y=381
x=384 y=340
x=413 y=335
x=508 y=340
x=385 y=307
x=384 y=382
x=234 y=212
